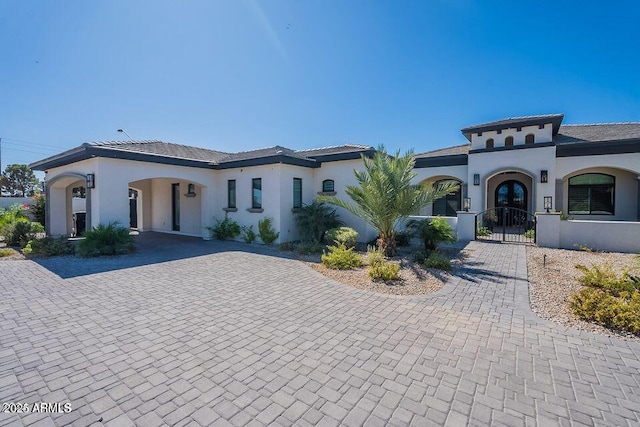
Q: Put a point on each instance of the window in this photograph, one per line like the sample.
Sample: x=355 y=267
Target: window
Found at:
x=256 y=193
x=175 y=207
x=490 y=143
x=449 y=204
x=297 y=193
x=529 y=139
x=231 y=193
x=591 y=194
x=328 y=186
x=508 y=141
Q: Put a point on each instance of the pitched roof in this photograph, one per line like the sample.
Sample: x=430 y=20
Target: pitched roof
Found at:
x=450 y=151
x=165 y=149
x=335 y=149
x=511 y=122
x=261 y=153
x=598 y=132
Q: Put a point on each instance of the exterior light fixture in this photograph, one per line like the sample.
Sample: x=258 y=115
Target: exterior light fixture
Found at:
x=466 y=204
x=476 y=179
x=544 y=176
x=548 y=203
x=191 y=190
x=91 y=180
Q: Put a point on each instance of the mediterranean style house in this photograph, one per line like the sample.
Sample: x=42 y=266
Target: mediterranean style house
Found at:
x=590 y=172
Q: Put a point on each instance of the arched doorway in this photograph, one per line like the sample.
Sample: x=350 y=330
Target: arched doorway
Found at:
x=511 y=194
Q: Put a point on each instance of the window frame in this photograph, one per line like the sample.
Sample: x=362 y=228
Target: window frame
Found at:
x=297 y=192
x=509 y=141
x=533 y=139
x=446 y=199
x=572 y=188
x=232 y=191
x=489 y=143
x=333 y=186
x=256 y=204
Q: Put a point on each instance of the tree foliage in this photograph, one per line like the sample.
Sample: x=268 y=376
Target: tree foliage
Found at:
x=385 y=195
x=19 y=181
x=314 y=220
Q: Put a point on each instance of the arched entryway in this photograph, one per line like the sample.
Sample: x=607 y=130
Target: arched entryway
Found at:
x=64 y=216
x=511 y=194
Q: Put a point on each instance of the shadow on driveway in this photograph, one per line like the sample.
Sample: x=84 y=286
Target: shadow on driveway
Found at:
x=152 y=248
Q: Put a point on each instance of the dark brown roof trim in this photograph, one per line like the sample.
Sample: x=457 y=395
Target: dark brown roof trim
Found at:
x=430 y=162
x=513 y=147
x=269 y=160
x=354 y=155
x=555 y=120
x=598 y=148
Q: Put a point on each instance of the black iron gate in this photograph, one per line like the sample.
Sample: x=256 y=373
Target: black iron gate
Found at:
x=504 y=224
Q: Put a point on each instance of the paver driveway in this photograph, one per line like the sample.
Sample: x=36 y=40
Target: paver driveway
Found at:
x=248 y=339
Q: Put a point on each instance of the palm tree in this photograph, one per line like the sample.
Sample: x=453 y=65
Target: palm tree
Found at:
x=314 y=220
x=385 y=195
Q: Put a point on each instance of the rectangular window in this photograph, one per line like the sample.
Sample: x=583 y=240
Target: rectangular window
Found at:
x=256 y=193
x=231 y=193
x=175 y=207
x=297 y=193
x=591 y=194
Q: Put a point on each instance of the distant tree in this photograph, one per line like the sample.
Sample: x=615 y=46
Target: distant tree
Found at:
x=18 y=181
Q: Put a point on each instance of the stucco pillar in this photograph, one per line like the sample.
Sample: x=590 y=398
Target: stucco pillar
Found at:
x=466 y=226
x=548 y=229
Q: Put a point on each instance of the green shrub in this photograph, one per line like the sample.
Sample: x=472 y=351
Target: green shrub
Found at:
x=248 y=235
x=225 y=229
x=110 y=239
x=530 y=234
x=609 y=299
x=21 y=231
x=314 y=220
x=38 y=209
x=375 y=255
x=267 y=233
x=341 y=258
x=384 y=271
x=307 y=248
x=49 y=246
x=345 y=235
x=432 y=232
x=286 y=246
x=437 y=260
x=483 y=231
x=420 y=256
x=6 y=252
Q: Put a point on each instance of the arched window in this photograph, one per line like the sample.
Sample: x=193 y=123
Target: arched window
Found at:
x=592 y=194
x=449 y=204
x=328 y=186
x=529 y=139
x=508 y=141
x=490 y=143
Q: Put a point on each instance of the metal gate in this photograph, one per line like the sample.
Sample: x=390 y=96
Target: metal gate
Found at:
x=505 y=224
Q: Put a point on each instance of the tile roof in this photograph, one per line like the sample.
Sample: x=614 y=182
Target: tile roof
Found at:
x=262 y=152
x=336 y=149
x=450 y=151
x=164 y=149
x=597 y=132
x=511 y=122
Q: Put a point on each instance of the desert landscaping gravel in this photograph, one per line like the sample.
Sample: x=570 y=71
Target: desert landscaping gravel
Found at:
x=552 y=286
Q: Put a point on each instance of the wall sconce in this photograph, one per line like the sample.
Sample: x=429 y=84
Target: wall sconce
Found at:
x=466 y=204
x=91 y=180
x=548 y=203
x=191 y=190
x=476 y=179
x=544 y=176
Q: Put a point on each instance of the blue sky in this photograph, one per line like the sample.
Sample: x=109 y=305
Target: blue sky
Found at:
x=243 y=74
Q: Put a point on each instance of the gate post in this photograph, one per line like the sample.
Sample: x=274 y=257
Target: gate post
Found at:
x=548 y=229
x=466 y=229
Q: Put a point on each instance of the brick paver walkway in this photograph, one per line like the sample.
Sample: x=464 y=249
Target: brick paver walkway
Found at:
x=216 y=337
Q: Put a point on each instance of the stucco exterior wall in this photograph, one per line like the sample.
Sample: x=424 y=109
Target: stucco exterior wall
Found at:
x=427 y=175
x=541 y=136
x=288 y=229
x=616 y=236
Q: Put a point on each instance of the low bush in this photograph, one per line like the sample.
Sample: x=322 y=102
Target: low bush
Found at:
x=49 y=246
x=403 y=238
x=6 y=252
x=345 y=235
x=420 y=255
x=341 y=258
x=248 y=234
x=384 y=271
x=286 y=246
x=314 y=220
x=110 y=239
x=225 y=230
x=267 y=233
x=483 y=231
x=530 y=234
x=432 y=232
x=437 y=260
x=307 y=248
x=609 y=299
x=375 y=255
x=21 y=231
